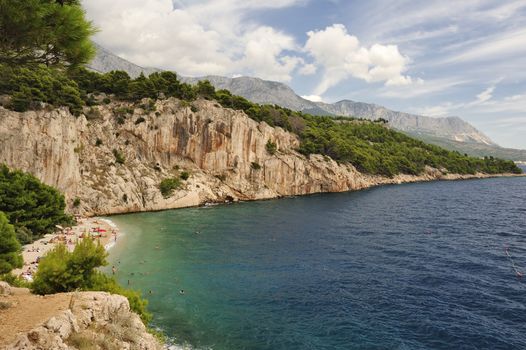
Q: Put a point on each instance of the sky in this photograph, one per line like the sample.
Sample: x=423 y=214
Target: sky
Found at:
x=430 y=57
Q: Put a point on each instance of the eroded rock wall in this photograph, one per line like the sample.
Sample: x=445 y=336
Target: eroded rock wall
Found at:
x=223 y=150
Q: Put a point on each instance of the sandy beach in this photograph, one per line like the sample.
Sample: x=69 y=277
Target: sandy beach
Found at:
x=96 y=228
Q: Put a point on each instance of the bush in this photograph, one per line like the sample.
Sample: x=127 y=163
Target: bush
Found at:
x=168 y=185
x=10 y=256
x=271 y=147
x=184 y=175
x=98 y=142
x=63 y=271
x=76 y=202
x=15 y=281
x=108 y=284
x=140 y=120
x=255 y=166
x=119 y=157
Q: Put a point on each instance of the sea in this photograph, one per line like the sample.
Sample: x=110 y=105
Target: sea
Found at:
x=432 y=265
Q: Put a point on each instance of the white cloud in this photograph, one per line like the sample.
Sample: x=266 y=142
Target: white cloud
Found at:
x=422 y=87
x=262 y=56
x=159 y=33
x=341 y=56
x=313 y=98
x=441 y=110
x=308 y=69
x=498 y=46
x=485 y=95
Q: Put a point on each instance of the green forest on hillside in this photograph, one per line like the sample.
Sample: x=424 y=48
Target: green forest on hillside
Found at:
x=370 y=146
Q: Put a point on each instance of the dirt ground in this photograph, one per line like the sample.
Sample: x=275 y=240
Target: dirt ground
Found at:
x=27 y=311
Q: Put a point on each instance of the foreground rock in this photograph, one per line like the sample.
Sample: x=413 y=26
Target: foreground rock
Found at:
x=96 y=320
x=223 y=150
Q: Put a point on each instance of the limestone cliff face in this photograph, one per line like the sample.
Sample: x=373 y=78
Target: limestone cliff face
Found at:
x=97 y=319
x=223 y=150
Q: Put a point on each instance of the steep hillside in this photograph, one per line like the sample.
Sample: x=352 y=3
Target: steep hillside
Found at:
x=105 y=61
x=116 y=165
x=260 y=91
x=474 y=149
x=452 y=128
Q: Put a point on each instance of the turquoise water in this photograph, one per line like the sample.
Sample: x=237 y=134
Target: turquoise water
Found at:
x=417 y=266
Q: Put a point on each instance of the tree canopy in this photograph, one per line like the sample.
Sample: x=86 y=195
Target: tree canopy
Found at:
x=10 y=256
x=50 y=32
x=31 y=206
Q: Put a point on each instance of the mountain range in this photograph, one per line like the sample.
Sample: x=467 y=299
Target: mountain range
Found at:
x=449 y=132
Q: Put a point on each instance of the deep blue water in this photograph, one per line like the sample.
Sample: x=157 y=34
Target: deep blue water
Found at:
x=416 y=266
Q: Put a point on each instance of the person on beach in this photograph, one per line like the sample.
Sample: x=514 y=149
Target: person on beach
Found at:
x=113 y=269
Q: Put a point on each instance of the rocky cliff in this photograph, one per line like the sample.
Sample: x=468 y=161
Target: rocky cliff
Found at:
x=94 y=320
x=223 y=150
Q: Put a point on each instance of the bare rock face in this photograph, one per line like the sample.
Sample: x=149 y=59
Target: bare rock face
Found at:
x=100 y=319
x=223 y=150
x=114 y=157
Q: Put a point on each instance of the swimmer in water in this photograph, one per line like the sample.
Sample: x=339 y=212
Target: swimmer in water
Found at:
x=181 y=291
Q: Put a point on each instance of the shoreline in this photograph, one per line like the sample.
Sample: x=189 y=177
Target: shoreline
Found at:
x=98 y=228
x=110 y=231
x=375 y=181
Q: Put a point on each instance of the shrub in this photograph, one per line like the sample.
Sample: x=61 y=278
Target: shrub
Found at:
x=140 y=120
x=15 y=281
x=76 y=202
x=106 y=100
x=119 y=157
x=255 y=166
x=63 y=271
x=271 y=147
x=168 y=185
x=184 y=175
x=93 y=114
x=10 y=256
x=98 y=142
x=221 y=177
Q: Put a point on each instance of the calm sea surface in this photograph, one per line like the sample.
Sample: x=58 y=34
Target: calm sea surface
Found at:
x=416 y=266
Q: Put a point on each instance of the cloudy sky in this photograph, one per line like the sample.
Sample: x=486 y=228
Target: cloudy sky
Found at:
x=438 y=58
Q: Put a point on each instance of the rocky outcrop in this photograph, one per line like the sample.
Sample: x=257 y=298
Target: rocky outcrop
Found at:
x=223 y=150
x=98 y=319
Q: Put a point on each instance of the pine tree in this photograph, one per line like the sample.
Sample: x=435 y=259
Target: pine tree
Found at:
x=10 y=256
